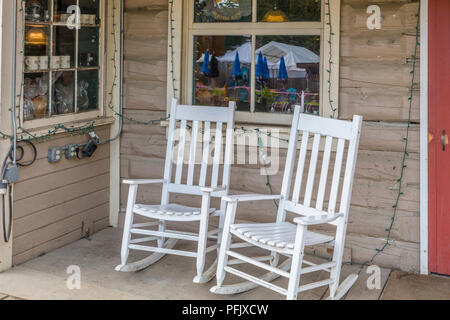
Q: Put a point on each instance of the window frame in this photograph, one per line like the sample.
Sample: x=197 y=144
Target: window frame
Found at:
x=181 y=20
x=71 y=118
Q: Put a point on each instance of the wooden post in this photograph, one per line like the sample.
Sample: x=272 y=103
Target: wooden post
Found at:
x=6 y=34
x=114 y=185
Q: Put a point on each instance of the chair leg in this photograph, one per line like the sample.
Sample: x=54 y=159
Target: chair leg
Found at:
x=337 y=257
x=161 y=228
x=297 y=261
x=203 y=236
x=221 y=224
x=225 y=243
x=128 y=223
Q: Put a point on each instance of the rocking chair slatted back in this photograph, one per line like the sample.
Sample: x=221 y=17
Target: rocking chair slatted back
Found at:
x=201 y=120
x=325 y=132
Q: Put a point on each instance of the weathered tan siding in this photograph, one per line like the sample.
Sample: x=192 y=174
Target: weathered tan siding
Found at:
x=56 y=204
x=375 y=79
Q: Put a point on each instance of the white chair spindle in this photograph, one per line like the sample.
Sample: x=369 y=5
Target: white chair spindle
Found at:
x=206 y=144
x=312 y=170
x=192 y=153
x=300 y=167
x=181 y=147
x=336 y=175
x=324 y=173
x=217 y=155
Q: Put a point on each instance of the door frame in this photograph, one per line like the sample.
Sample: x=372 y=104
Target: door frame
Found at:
x=424 y=257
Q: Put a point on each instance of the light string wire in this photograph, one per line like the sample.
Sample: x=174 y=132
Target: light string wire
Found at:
x=110 y=104
x=330 y=57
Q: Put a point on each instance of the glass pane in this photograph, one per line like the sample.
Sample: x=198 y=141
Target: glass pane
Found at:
x=289 y=10
x=286 y=66
x=88 y=47
x=89 y=12
x=222 y=10
x=63 y=48
x=35 y=96
x=36 y=47
x=37 y=11
x=88 y=90
x=63 y=89
x=61 y=10
x=225 y=76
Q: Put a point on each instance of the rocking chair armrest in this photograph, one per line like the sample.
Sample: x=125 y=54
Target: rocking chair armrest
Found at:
x=143 y=181
x=213 y=189
x=314 y=220
x=250 y=197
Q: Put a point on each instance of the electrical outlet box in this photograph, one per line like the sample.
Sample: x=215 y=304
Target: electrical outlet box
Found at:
x=89 y=149
x=55 y=154
x=71 y=151
x=12 y=174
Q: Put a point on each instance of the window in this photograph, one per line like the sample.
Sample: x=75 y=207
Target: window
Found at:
x=62 y=61
x=266 y=55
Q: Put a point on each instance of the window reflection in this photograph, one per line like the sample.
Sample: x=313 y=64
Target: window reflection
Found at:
x=63 y=48
x=87 y=97
x=222 y=67
x=36 y=47
x=286 y=67
x=88 y=47
x=288 y=10
x=63 y=88
x=37 y=10
x=222 y=10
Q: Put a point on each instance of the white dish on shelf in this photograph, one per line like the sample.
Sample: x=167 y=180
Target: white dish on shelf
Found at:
x=32 y=62
x=43 y=62
x=65 y=62
x=56 y=62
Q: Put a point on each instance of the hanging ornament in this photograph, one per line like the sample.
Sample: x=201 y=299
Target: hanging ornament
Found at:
x=275 y=15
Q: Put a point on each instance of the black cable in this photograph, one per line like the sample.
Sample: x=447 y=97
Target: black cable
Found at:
x=29 y=163
x=7 y=233
x=6 y=163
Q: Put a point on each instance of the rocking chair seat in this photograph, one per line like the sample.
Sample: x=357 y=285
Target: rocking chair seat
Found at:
x=172 y=211
x=276 y=235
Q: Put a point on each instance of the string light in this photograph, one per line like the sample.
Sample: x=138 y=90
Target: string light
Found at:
x=330 y=57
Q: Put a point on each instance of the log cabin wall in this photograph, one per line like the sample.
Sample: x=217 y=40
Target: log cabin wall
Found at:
x=57 y=204
x=374 y=82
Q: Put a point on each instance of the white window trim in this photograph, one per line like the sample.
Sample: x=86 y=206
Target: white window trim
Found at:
x=424 y=259
x=101 y=116
x=180 y=67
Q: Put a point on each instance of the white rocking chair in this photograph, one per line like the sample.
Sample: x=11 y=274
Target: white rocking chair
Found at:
x=289 y=239
x=199 y=117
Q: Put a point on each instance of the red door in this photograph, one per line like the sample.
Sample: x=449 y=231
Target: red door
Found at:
x=439 y=127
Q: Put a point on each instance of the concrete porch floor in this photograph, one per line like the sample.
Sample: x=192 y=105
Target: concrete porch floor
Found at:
x=171 y=278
